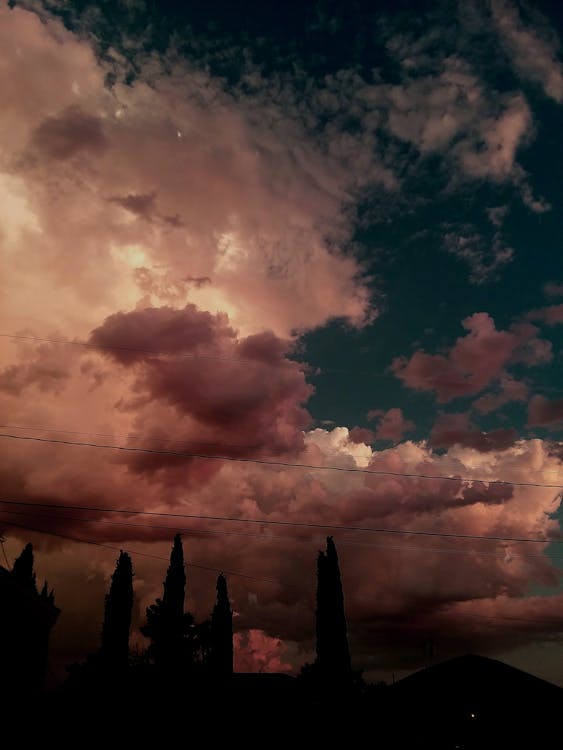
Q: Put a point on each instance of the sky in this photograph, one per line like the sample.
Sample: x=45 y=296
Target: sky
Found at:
x=312 y=233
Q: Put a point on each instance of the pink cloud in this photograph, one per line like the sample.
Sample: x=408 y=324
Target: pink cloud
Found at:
x=456 y=429
x=542 y=411
x=474 y=361
x=255 y=651
x=392 y=425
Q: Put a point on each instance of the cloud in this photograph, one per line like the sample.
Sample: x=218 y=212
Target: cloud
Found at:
x=483 y=258
x=246 y=197
x=392 y=425
x=456 y=429
x=553 y=290
x=552 y=314
x=68 y=134
x=543 y=412
x=255 y=651
x=533 y=51
x=410 y=583
x=493 y=154
x=362 y=435
x=140 y=205
x=509 y=389
x=223 y=384
x=230 y=236
x=474 y=361
x=44 y=367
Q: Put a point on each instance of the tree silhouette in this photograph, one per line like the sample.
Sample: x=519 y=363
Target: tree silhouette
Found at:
x=222 y=631
x=114 y=650
x=333 y=654
x=27 y=618
x=168 y=626
x=22 y=569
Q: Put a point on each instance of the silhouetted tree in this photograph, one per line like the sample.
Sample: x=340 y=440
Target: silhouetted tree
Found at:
x=27 y=618
x=333 y=654
x=22 y=569
x=168 y=626
x=114 y=650
x=222 y=631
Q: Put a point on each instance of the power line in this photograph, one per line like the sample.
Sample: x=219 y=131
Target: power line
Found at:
x=243 y=575
x=506 y=555
x=271 y=522
x=444 y=460
x=283 y=464
x=129 y=436
x=137 y=552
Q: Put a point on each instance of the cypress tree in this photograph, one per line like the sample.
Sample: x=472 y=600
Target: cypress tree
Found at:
x=167 y=624
x=114 y=650
x=222 y=631
x=22 y=569
x=333 y=654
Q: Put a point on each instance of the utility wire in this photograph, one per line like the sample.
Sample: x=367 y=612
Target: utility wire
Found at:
x=444 y=460
x=271 y=522
x=283 y=464
x=244 y=575
x=137 y=552
x=129 y=437
x=506 y=555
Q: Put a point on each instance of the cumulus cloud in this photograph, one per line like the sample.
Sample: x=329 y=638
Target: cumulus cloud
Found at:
x=475 y=360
